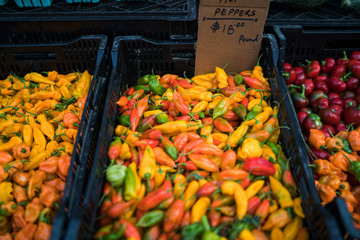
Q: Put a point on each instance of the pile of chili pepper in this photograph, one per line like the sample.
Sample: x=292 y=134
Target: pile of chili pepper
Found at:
x=326 y=95
x=39 y=119
x=199 y=158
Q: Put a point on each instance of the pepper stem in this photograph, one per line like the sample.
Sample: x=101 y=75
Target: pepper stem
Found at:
x=258 y=61
x=312 y=165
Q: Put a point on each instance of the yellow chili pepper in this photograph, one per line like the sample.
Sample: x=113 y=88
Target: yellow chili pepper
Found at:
x=221 y=77
x=147 y=164
x=83 y=85
x=172 y=127
x=298 y=208
x=278 y=173
x=125 y=151
x=39 y=138
x=241 y=202
x=209 y=140
x=38 y=78
x=254 y=188
x=268 y=153
x=69 y=147
x=120 y=130
x=131 y=138
x=238 y=97
x=238 y=134
x=6 y=124
x=10 y=144
x=40 y=157
x=276 y=234
x=140 y=196
x=150 y=113
x=281 y=192
x=202 y=83
x=199 y=209
x=203 y=96
x=46 y=127
x=246 y=235
x=189 y=194
x=180 y=185
x=52 y=146
x=273 y=206
x=202 y=182
x=160 y=174
x=28 y=135
x=277 y=219
x=6 y=192
x=255 y=102
x=42 y=95
x=200 y=107
x=65 y=92
x=249 y=148
x=206 y=77
x=258 y=73
x=292 y=228
x=222 y=137
x=205 y=131
x=168 y=94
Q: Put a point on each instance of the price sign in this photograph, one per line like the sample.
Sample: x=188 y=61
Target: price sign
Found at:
x=229 y=33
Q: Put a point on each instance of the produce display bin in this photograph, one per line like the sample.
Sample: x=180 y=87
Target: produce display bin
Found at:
x=297 y=45
x=84 y=53
x=134 y=56
x=330 y=14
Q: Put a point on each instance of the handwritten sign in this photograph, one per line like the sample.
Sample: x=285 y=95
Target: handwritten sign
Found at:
x=229 y=32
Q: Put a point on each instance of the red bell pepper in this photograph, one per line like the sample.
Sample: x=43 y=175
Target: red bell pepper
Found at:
x=259 y=166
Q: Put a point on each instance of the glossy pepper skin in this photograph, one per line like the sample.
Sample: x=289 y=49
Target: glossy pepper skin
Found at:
x=329 y=116
x=299 y=99
x=312 y=121
x=352 y=116
x=259 y=166
x=145 y=80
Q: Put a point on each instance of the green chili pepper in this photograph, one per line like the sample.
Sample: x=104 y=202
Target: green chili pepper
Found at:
x=239 y=79
x=251 y=115
x=221 y=108
x=115 y=235
x=240 y=111
x=151 y=218
x=156 y=87
x=143 y=87
x=144 y=80
x=201 y=115
x=130 y=185
x=169 y=147
x=273 y=147
x=162 y=118
x=46 y=216
x=124 y=120
x=115 y=174
x=347 y=147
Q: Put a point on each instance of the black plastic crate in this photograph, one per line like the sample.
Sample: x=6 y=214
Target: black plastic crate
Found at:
x=296 y=45
x=157 y=19
x=134 y=56
x=84 y=53
x=329 y=14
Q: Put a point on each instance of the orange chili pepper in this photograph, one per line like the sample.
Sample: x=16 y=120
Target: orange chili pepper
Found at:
x=49 y=195
x=316 y=138
x=43 y=231
x=33 y=210
x=354 y=140
x=50 y=165
x=27 y=233
x=21 y=178
x=19 y=193
x=64 y=164
x=71 y=120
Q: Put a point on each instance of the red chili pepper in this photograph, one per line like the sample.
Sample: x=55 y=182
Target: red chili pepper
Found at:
x=163 y=158
x=180 y=104
x=193 y=136
x=165 y=79
x=174 y=215
x=152 y=134
x=214 y=218
x=263 y=209
x=134 y=119
x=231 y=80
x=186 y=118
x=190 y=166
x=355 y=55
x=222 y=125
x=245 y=183
x=208 y=188
x=164 y=105
x=234 y=123
x=228 y=160
x=327 y=65
x=130 y=230
x=134 y=155
x=156 y=197
x=115 y=149
x=180 y=141
x=234 y=174
x=245 y=102
x=172 y=109
x=343 y=60
x=184 y=84
x=230 y=116
x=146 y=142
x=142 y=105
x=131 y=104
x=226 y=220
x=186 y=219
x=129 y=91
x=313 y=69
x=222 y=200
x=259 y=166
x=256 y=83
x=354 y=67
x=201 y=161
x=253 y=204
x=207 y=121
x=189 y=146
x=339 y=70
x=208 y=149
x=146 y=123
x=119 y=208
x=289 y=76
x=287 y=67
